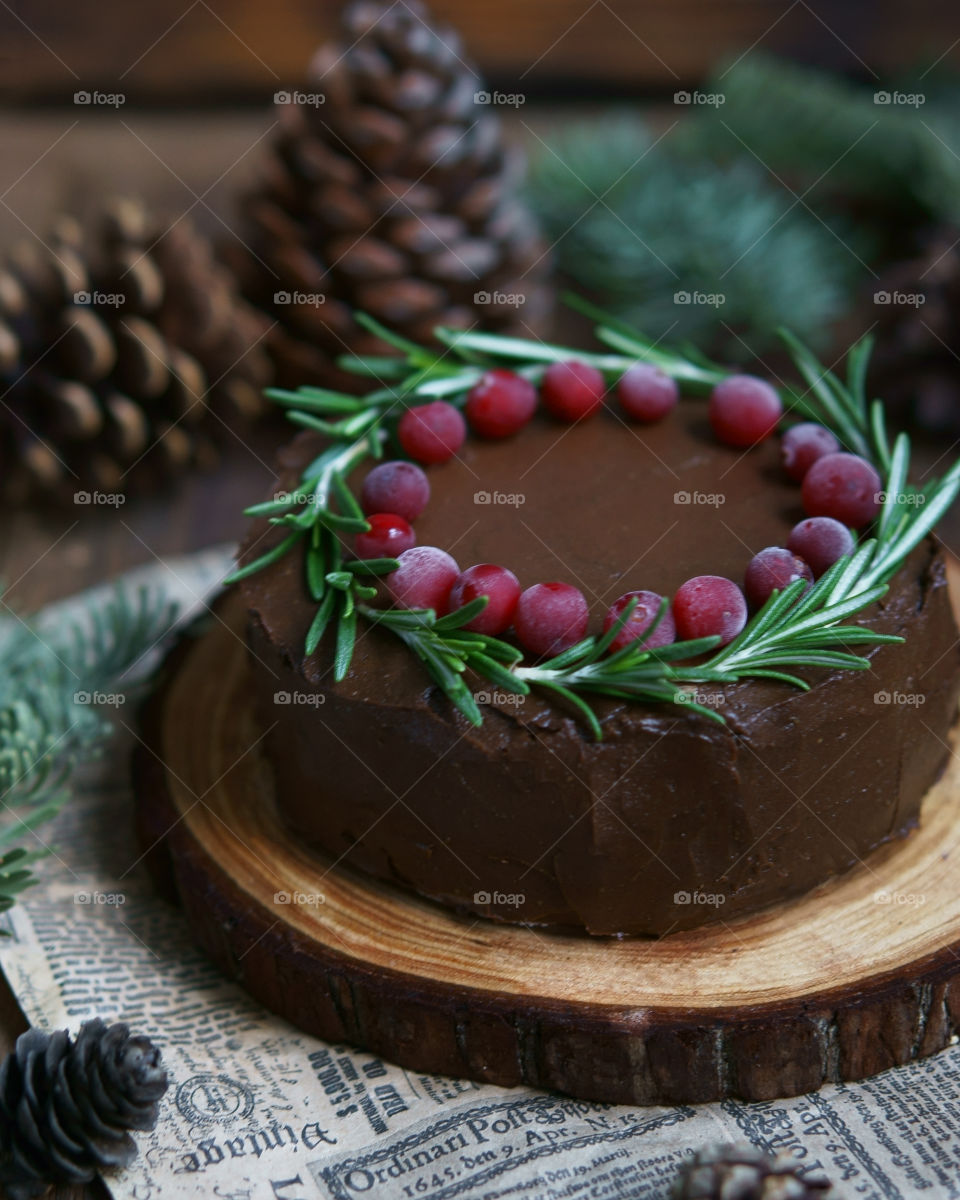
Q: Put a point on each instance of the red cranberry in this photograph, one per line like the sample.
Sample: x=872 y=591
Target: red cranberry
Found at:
x=572 y=390
x=820 y=541
x=709 y=606
x=772 y=570
x=396 y=487
x=550 y=617
x=388 y=536
x=639 y=621
x=802 y=445
x=646 y=393
x=744 y=410
x=432 y=433
x=423 y=579
x=501 y=403
x=843 y=486
x=500 y=585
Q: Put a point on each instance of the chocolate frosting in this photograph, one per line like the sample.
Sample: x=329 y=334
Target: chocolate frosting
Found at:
x=673 y=820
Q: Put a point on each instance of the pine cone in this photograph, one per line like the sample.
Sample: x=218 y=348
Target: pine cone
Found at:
x=66 y=1106
x=123 y=355
x=394 y=196
x=916 y=303
x=739 y=1171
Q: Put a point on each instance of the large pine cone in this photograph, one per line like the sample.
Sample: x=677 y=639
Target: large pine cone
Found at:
x=123 y=355
x=739 y=1171
x=394 y=196
x=916 y=304
x=66 y=1106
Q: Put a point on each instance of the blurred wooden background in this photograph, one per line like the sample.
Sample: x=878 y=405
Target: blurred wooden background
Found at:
x=191 y=51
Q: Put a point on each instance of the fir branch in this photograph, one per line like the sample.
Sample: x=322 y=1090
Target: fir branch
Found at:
x=829 y=135
x=46 y=732
x=638 y=223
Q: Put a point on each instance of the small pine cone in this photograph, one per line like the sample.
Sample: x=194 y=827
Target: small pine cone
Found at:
x=66 y=1106
x=125 y=353
x=739 y=1171
x=395 y=197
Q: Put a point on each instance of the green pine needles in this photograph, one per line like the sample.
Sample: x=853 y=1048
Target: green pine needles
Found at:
x=686 y=248
x=797 y=631
x=51 y=679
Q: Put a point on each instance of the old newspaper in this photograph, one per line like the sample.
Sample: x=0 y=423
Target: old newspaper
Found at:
x=258 y=1111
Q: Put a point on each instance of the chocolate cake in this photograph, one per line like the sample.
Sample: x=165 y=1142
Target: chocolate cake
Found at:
x=672 y=820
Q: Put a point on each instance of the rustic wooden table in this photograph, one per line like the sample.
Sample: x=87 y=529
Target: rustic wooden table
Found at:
x=59 y=161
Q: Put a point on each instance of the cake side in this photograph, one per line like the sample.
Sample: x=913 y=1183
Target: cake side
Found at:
x=672 y=820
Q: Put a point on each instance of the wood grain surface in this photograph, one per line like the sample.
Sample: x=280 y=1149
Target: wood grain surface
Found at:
x=187 y=51
x=861 y=975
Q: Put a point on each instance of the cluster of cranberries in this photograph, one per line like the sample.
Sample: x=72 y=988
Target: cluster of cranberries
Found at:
x=839 y=490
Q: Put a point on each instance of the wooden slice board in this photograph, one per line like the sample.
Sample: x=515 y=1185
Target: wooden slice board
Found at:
x=837 y=986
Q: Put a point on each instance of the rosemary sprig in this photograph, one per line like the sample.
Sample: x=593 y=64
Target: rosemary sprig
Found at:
x=797 y=630
x=447 y=650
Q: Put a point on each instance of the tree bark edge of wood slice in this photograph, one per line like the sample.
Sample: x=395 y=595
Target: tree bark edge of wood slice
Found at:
x=858 y=977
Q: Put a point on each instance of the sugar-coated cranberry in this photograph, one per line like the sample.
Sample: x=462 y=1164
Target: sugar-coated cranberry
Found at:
x=744 y=410
x=639 y=621
x=843 y=486
x=550 y=617
x=423 y=579
x=709 y=606
x=572 y=390
x=498 y=584
x=771 y=571
x=396 y=487
x=646 y=393
x=388 y=536
x=501 y=403
x=432 y=433
x=820 y=541
x=802 y=445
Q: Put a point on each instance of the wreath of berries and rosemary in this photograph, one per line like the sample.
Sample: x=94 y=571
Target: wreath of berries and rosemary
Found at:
x=652 y=648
